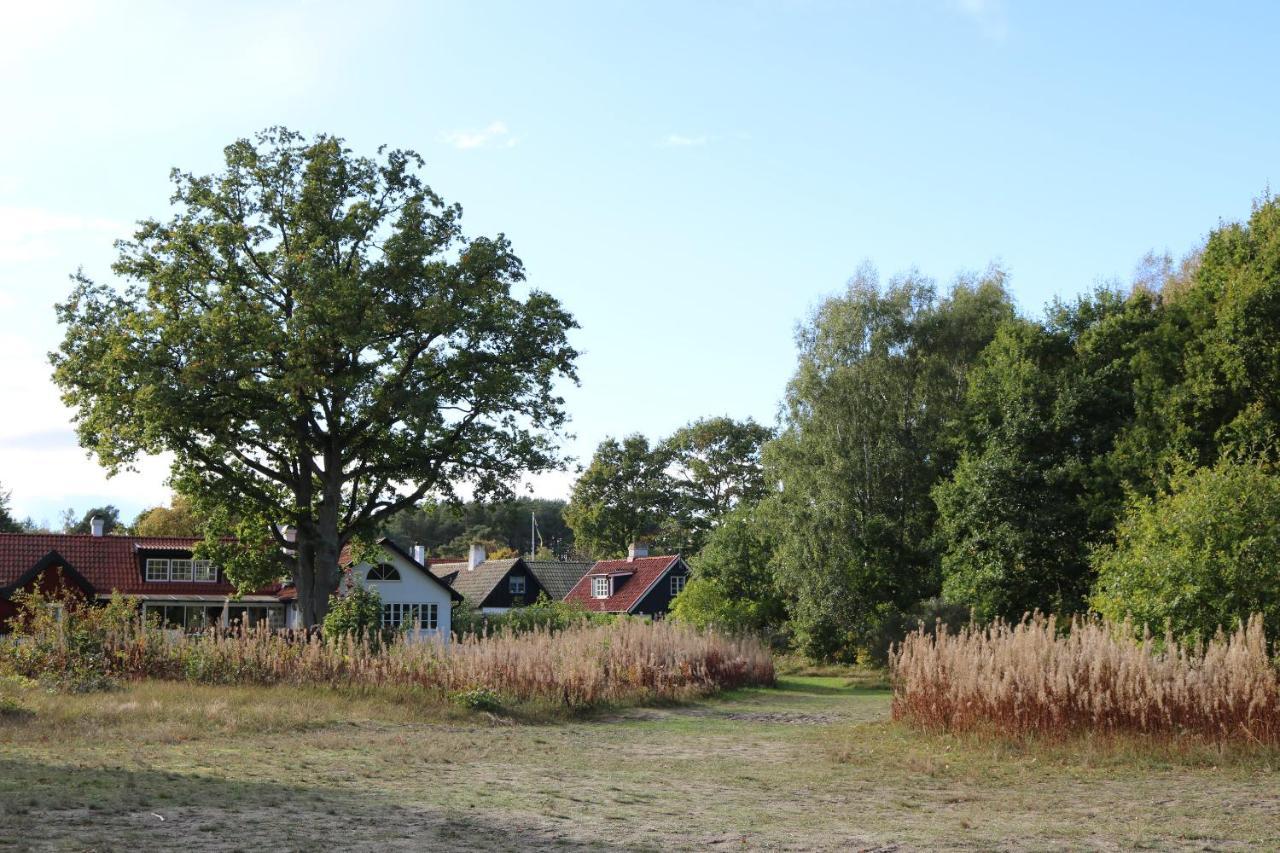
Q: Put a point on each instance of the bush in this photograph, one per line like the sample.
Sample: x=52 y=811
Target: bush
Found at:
x=479 y=699
x=543 y=614
x=1029 y=678
x=355 y=612
x=62 y=641
x=927 y=616
x=1202 y=556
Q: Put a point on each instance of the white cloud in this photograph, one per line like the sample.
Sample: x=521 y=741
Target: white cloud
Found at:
x=676 y=140
x=988 y=15
x=28 y=233
x=496 y=135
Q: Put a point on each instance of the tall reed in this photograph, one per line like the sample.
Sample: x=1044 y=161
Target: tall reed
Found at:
x=578 y=667
x=1029 y=678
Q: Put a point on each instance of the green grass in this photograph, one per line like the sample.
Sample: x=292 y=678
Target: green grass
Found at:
x=814 y=764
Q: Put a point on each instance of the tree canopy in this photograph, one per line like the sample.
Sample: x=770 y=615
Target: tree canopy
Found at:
x=624 y=495
x=8 y=524
x=319 y=345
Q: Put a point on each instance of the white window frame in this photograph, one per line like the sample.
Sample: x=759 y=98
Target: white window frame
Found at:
x=154 y=570
x=389 y=566
x=396 y=614
x=600 y=586
x=203 y=571
x=181 y=570
x=677 y=583
x=516 y=584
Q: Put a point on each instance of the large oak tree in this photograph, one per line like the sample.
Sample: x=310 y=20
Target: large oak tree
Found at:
x=317 y=343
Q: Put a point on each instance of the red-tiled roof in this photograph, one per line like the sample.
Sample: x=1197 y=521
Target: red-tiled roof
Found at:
x=628 y=588
x=108 y=563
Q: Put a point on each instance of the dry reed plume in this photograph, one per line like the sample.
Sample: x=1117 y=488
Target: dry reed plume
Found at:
x=1030 y=679
x=575 y=668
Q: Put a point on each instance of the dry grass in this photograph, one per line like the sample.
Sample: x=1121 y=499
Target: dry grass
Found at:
x=580 y=667
x=1029 y=679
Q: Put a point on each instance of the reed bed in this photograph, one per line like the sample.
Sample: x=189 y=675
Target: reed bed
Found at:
x=1097 y=677
x=579 y=667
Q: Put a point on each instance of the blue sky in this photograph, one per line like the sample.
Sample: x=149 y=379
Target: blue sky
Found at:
x=688 y=178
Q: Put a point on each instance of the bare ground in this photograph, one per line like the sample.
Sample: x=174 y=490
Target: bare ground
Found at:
x=811 y=766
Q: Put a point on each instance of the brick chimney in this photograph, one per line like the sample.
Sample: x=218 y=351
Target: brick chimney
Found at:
x=476 y=557
x=98 y=525
x=637 y=549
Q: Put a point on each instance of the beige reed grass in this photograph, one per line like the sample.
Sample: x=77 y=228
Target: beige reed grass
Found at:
x=579 y=667
x=1029 y=678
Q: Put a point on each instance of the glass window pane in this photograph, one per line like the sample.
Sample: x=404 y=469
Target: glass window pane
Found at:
x=157 y=570
x=180 y=570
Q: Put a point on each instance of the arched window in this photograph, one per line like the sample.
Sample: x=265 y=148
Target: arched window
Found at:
x=384 y=572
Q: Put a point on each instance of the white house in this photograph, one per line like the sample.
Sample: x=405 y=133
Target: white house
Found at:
x=410 y=594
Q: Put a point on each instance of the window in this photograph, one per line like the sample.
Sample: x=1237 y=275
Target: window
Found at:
x=181 y=570
x=398 y=615
x=600 y=587
x=515 y=584
x=56 y=611
x=677 y=583
x=157 y=570
x=384 y=572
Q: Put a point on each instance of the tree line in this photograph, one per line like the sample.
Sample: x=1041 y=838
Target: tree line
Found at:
x=942 y=455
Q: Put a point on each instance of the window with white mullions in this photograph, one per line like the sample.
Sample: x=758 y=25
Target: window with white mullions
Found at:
x=515 y=584
x=398 y=615
x=677 y=583
x=600 y=587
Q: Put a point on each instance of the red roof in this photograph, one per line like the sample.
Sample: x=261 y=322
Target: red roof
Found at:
x=632 y=579
x=108 y=563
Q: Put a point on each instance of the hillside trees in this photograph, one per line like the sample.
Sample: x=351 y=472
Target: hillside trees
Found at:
x=320 y=346
x=8 y=524
x=867 y=433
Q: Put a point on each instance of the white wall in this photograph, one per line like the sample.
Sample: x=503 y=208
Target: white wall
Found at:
x=414 y=587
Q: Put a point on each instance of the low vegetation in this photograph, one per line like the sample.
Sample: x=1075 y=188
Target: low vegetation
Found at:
x=1097 y=677
x=579 y=667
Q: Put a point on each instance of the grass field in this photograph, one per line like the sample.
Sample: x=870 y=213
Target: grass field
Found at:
x=814 y=764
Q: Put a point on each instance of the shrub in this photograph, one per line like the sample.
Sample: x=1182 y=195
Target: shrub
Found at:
x=479 y=699
x=1202 y=556
x=1028 y=678
x=355 y=612
x=542 y=614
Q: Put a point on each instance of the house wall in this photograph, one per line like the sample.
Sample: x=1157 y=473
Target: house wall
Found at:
x=658 y=600
x=50 y=582
x=414 y=587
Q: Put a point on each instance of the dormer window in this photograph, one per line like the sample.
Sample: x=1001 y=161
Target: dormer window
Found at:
x=515 y=584
x=384 y=572
x=181 y=570
x=600 y=587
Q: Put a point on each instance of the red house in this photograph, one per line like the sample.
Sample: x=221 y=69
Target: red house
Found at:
x=640 y=584
x=159 y=573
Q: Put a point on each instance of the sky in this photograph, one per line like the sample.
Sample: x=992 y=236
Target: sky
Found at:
x=689 y=179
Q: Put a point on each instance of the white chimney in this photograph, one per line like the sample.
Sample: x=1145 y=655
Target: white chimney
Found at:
x=98 y=525
x=637 y=549
x=420 y=554
x=476 y=557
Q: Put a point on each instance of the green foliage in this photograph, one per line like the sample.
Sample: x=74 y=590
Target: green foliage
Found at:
x=317 y=343
x=732 y=585
x=8 y=524
x=357 y=612
x=1201 y=556
x=448 y=529
x=61 y=641
x=110 y=520
x=714 y=467
x=1039 y=479
x=623 y=496
x=869 y=415
x=671 y=494
x=479 y=699
x=542 y=615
